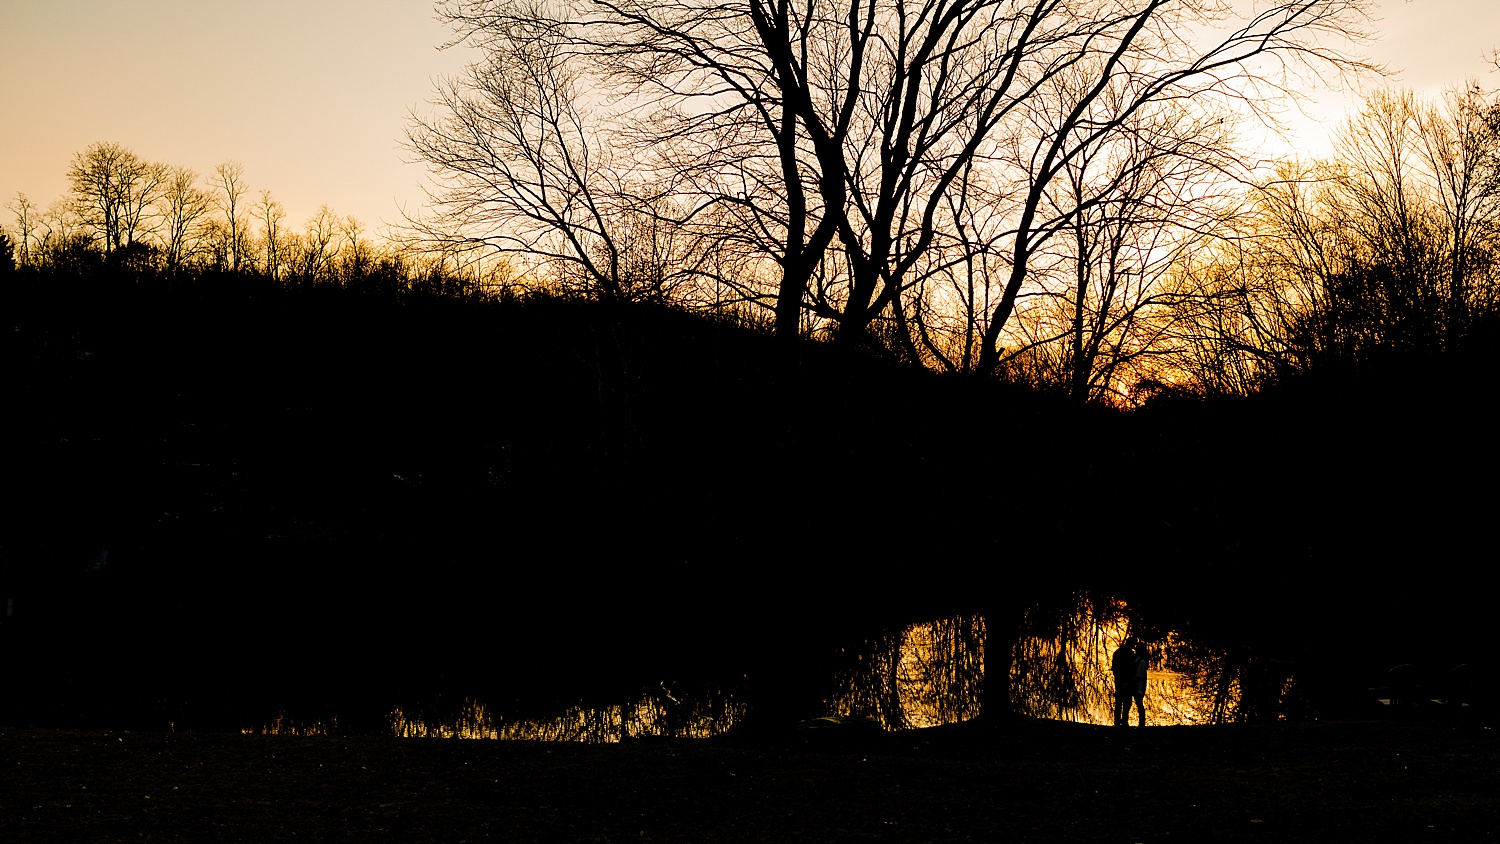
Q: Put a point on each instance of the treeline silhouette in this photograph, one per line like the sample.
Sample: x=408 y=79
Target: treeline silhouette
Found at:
x=237 y=485
x=243 y=495
x=140 y=218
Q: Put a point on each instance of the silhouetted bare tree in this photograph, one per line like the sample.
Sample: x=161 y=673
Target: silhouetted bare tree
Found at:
x=313 y=250
x=1131 y=208
x=1460 y=148
x=1151 y=56
x=229 y=180
x=520 y=163
x=183 y=207
x=271 y=216
x=26 y=225
x=113 y=189
x=872 y=122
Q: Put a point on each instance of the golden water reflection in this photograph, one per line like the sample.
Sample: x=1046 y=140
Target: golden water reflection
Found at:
x=922 y=675
x=932 y=673
x=655 y=714
x=1062 y=670
x=919 y=675
x=284 y=725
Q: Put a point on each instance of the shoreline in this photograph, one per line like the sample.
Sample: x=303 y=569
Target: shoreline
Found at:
x=1025 y=781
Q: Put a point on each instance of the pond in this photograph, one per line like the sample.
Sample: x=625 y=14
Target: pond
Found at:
x=906 y=676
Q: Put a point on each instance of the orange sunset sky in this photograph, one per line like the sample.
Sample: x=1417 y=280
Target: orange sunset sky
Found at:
x=311 y=96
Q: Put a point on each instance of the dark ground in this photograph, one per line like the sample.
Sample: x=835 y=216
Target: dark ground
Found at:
x=1033 y=781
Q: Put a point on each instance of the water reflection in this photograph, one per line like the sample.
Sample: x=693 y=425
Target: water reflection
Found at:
x=912 y=676
x=932 y=673
x=285 y=725
x=1229 y=685
x=662 y=712
x=921 y=675
x=1061 y=668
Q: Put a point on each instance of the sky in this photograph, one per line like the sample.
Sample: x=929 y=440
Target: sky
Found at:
x=1429 y=45
x=312 y=96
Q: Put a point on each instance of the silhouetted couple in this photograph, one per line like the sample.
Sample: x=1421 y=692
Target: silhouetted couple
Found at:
x=1129 y=668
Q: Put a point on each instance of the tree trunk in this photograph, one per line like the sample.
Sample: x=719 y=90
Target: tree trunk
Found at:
x=1002 y=626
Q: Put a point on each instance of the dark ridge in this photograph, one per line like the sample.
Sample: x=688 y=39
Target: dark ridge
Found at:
x=235 y=493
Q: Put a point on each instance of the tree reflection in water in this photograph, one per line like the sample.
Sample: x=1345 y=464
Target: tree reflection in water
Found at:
x=660 y=712
x=284 y=725
x=921 y=675
x=932 y=673
x=917 y=675
x=1061 y=670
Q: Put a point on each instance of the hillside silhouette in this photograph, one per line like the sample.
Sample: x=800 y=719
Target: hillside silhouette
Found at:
x=238 y=493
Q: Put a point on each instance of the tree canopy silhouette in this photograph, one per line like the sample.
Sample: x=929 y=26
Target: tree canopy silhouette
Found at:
x=826 y=161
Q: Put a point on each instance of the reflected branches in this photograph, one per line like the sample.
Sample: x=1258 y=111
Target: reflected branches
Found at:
x=909 y=677
x=675 y=711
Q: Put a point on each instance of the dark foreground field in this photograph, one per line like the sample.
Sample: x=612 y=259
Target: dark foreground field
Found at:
x=1342 y=781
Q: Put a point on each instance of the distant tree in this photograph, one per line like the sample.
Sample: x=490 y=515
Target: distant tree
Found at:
x=1228 y=329
x=314 y=250
x=1460 y=148
x=26 y=224
x=216 y=243
x=354 y=251
x=271 y=216
x=7 y=254
x=60 y=229
x=73 y=254
x=183 y=208
x=229 y=181
x=1387 y=246
x=113 y=190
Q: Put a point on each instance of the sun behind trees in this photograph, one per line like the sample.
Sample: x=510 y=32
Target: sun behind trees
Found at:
x=980 y=186
x=1053 y=194
x=1386 y=249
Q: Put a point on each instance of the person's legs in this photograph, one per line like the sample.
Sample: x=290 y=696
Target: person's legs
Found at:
x=1140 y=707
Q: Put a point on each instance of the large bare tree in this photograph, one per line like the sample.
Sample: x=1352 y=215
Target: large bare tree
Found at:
x=521 y=165
x=1157 y=53
x=844 y=128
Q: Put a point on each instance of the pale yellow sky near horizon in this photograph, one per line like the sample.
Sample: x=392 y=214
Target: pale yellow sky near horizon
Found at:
x=312 y=96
